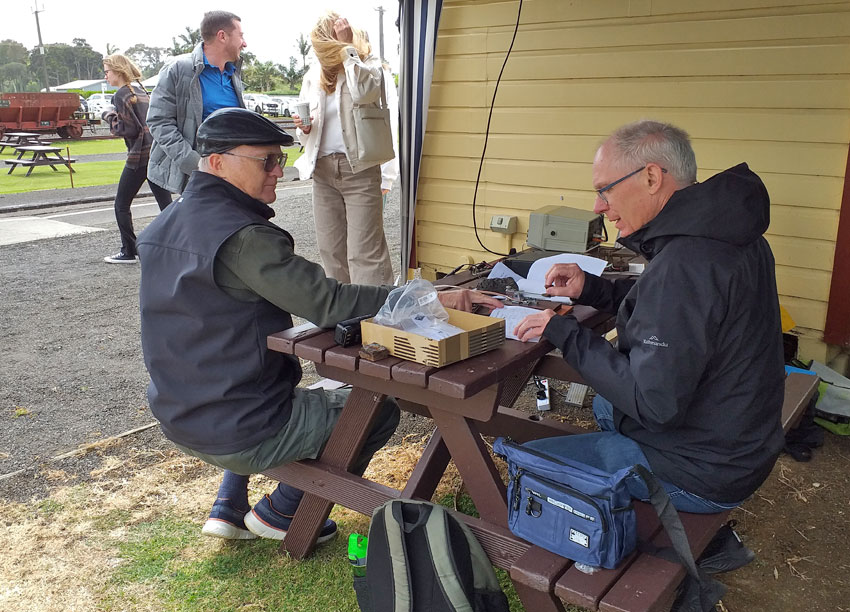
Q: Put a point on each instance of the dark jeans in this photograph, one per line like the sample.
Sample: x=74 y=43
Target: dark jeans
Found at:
x=128 y=186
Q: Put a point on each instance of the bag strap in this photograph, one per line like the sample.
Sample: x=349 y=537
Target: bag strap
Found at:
x=383 y=89
x=669 y=518
x=434 y=520
x=709 y=589
x=394 y=528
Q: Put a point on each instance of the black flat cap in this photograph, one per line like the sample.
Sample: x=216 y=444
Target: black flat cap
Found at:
x=227 y=128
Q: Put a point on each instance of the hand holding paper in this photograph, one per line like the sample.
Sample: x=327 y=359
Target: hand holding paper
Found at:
x=564 y=279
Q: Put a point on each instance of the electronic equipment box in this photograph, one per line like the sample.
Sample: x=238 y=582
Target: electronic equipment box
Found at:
x=565 y=229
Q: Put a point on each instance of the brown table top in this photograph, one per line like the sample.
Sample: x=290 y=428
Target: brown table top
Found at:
x=38 y=148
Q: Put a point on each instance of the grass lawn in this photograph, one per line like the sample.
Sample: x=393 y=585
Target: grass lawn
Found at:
x=42 y=177
x=130 y=541
x=85 y=174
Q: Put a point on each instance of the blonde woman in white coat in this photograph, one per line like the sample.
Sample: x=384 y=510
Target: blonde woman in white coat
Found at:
x=347 y=203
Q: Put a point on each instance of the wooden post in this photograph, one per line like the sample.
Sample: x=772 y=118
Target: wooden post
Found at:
x=67 y=159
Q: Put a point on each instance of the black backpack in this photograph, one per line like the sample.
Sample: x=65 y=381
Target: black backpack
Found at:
x=420 y=558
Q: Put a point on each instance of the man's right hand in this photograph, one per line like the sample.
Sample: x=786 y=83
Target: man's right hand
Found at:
x=564 y=280
x=300 y=124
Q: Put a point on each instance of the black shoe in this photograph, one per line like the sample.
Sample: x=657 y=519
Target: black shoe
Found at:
x=121 y=258
x=725 y=552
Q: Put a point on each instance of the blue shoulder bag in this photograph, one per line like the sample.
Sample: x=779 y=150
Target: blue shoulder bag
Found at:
x=584 y=514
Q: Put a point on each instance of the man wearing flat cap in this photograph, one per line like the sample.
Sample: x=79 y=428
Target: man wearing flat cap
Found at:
x=217 y=278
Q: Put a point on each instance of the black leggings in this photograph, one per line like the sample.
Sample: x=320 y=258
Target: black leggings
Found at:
x=128 y=186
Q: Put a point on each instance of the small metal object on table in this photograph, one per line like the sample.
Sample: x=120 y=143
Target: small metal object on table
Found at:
x=41 y=156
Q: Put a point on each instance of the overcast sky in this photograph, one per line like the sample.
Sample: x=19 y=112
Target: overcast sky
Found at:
x=271 y=28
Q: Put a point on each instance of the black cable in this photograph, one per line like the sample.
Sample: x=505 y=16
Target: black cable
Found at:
x=487 y=135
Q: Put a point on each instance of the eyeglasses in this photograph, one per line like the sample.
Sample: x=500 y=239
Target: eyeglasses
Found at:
x=270 y=161
x=601 y=192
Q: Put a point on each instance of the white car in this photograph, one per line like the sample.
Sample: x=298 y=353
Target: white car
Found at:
x=282 y=106
x=261 y=103
x=251 y=103
x=98 y=103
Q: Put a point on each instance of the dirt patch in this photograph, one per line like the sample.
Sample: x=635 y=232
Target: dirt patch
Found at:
x=72 y=375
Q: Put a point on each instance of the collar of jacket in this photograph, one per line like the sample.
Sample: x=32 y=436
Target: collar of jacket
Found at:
x=732 y=206
x=210 y=186
x=198 y=59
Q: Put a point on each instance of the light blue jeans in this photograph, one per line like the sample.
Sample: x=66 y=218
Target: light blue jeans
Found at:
x=611 y=451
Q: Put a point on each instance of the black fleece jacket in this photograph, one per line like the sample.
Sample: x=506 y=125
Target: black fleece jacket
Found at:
x=697 y=378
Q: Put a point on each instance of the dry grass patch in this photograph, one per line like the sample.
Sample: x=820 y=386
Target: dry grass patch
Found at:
x=69 y=552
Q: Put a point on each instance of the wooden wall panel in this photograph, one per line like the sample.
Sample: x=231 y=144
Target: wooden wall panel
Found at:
x=761 y=81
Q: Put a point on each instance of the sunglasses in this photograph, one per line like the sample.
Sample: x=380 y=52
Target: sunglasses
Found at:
x=270 y=161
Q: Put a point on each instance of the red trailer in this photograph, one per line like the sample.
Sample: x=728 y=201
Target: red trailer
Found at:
x=41 y=112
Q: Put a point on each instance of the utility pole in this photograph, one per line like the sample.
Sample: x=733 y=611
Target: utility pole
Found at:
x=41 y=45
x=381 y=11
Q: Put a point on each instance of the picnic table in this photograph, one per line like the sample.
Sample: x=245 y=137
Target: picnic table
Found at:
x=13 y=139
x=466 y=400
x=42 y=155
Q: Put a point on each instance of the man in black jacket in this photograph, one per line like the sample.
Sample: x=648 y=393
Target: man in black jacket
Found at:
x=694 y=389
x=217 y=278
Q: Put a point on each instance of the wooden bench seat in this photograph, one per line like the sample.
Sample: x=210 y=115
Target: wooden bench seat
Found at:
x=40 y=162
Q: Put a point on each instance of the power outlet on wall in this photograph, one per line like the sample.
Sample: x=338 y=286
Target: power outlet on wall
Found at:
x=504 y=224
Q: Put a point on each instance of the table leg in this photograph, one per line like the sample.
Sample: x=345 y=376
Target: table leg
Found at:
x=342 y=449
x=429 y=469
x=473 y=461
x=34 y=158
x=62 y=161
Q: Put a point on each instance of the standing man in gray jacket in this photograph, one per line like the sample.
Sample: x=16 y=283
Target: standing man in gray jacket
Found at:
x=189 y=90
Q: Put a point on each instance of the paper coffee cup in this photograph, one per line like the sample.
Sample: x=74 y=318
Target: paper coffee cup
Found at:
x=302 y=109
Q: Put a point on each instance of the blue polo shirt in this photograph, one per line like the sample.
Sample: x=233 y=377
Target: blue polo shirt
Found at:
x=217 y=87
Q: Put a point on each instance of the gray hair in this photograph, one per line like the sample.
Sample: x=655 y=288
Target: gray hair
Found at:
x=647 y=141
x=204 y=164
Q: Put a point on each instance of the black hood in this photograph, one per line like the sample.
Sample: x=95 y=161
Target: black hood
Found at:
x=732 y=207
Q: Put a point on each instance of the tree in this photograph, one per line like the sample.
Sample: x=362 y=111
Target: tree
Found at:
x=304 y=47
x=11 y=51
x=185 y=42
x=149 y=59
x=292 y=75
x=248 y=59
x=14 y=76
x=260 y=76
x=67 y=63
x=110 y=48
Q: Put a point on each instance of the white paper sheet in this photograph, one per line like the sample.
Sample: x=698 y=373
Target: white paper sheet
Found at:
x=500 y=270
x=533 y=286
x=513 y=315
x=537 y=273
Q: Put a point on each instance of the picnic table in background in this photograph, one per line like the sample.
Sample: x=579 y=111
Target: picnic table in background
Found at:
x=13 y=139
x=42 y=155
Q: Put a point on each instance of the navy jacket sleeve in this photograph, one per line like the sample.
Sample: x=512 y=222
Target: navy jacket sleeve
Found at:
x=664 y=346
x=603 y=294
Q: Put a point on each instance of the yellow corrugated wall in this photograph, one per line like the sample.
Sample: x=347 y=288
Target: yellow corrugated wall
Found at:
x=761 y=81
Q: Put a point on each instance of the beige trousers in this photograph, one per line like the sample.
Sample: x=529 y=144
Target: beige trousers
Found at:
x=348 y=211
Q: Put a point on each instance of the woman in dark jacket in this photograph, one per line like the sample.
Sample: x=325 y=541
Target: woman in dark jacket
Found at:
x=127 y=119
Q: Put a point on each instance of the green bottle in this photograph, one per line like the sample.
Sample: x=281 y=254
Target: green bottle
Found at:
x=357 y=553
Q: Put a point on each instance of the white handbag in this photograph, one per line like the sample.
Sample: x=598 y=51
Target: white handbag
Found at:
x=372 y=127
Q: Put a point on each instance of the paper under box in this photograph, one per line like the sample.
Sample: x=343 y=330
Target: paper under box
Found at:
x=481 y=334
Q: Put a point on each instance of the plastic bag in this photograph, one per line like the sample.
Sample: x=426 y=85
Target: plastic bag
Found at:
x=415 y=308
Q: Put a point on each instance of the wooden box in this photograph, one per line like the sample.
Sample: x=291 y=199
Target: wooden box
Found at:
x=481 y=334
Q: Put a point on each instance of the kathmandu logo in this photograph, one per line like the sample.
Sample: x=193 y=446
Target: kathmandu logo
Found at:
x=654 y=341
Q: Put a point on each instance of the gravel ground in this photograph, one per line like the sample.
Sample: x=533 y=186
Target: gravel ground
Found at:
x=72 y=371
